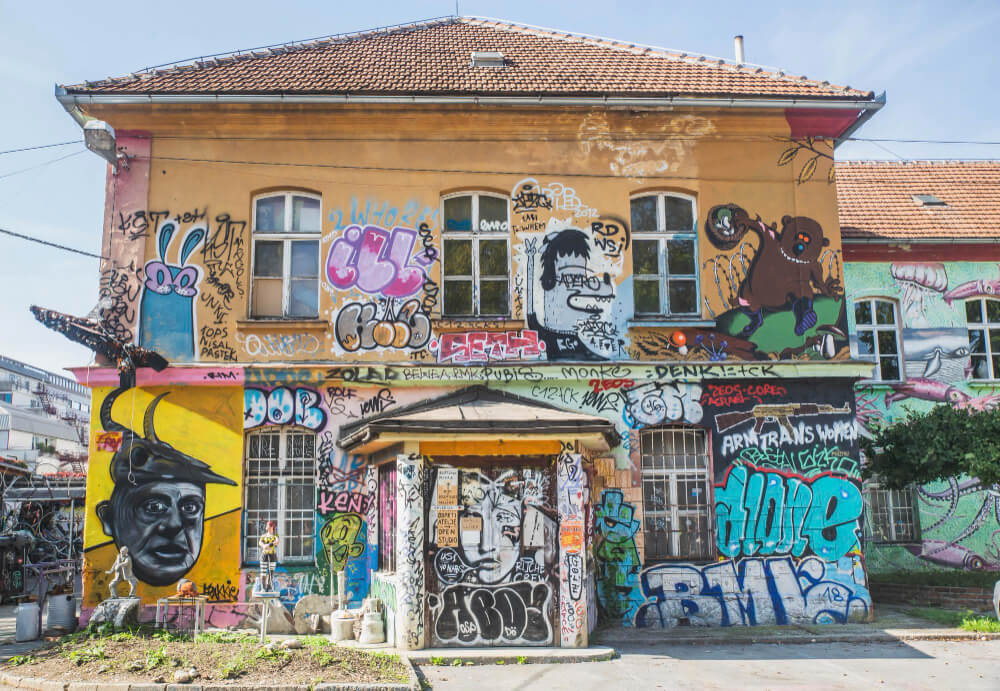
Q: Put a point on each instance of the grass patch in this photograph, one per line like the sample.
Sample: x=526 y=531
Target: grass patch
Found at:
x=966 y=620
x=954 y=579
x=19 y=660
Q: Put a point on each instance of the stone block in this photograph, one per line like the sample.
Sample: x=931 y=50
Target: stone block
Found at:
x=307 y=606
x=121 y=612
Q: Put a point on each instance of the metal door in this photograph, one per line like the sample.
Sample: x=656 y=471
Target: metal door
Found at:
x=492 y=556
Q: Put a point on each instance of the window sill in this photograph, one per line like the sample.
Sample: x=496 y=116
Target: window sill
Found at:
x=982 y=383
x=880 y=384
x=450 y=324
x=671 y=321
x=318 y=324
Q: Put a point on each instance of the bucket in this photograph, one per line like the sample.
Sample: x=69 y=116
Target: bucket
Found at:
x=62 y=613
x=26 y=626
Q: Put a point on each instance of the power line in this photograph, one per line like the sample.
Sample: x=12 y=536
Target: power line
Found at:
x=40 y=146
x=41 y=165
x=51 y=244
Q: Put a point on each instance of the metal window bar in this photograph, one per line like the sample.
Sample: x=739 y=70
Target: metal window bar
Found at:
x=280 y=487
x=387 y=517
x=893 y=514
x=676 y=493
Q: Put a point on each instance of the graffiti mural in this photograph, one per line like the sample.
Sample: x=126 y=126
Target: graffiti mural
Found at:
x=170 y=492
x=616 y=556
x=377 y=261
x=167 y=306
x=492 y=540
x=283 y=406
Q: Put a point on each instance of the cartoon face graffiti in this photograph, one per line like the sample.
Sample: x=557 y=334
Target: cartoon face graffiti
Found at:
x=492 y=544
x=157 y=508
x=571 y=291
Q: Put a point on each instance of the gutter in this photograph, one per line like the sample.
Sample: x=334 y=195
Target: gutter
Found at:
x=71 y=107
x=72 y=102
x=865 y=116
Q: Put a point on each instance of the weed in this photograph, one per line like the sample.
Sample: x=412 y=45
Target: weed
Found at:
x=157 y=658
x=437 y=660
x=501 y=662
x=456 y=663
x=522 y=659
x=224 y=637
x=322 y=658
x=980 y=625
x=85 y=655
x=22 y=660
x=945 y=617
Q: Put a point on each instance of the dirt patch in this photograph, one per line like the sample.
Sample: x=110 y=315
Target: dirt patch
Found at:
x=220 y=658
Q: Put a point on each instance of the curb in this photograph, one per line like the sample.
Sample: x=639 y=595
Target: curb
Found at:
x=807 y=640
x=11 y=681
x=485 y=657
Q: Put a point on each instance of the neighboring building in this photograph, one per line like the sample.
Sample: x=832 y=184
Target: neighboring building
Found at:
x=517 y=329
x=923 y=278
x=44 y=418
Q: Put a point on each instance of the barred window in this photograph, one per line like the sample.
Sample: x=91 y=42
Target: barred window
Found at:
x=893 y=513
x=280 y=487
x=676 y=491
x=387 y=517
x=878 y=337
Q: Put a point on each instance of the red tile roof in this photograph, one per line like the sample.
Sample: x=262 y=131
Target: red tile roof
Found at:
x=433 y=58
x=875 y=199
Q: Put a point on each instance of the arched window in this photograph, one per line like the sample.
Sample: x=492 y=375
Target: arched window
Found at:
x=665 y=255
x=286 y=228
x=677 y=493
x=476 y=255
x=983 y=318
x=279 y=478
x=877 y=328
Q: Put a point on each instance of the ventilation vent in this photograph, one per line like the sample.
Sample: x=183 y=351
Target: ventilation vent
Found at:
x=928 y=200
x=487 y=58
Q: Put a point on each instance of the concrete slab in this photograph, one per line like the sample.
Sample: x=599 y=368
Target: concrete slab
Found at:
x=510 y=656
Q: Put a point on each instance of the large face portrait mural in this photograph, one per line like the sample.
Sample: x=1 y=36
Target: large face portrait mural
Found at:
x=159 y=494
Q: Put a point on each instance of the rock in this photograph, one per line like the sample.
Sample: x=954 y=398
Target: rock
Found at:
x=271 y=647
x=182 y=676
x=102 y=669
x=160 y=680
x=305 y=608
x=136 y=666
x=121 y=612
x=194 y=673
x=279 y=621
x=291 y=644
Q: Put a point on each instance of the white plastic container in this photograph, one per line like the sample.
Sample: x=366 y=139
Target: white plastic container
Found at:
x=62 y=613
x=26 y=626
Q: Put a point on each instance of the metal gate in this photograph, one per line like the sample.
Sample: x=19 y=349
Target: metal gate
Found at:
x=492 y=555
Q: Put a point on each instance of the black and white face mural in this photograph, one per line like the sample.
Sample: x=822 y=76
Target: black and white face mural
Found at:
x=492 y=537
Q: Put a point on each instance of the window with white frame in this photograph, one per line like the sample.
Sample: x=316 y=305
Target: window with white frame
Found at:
x=983 y=318
x=476 y=255
x=664 y=255
x=286 y=228
x=893 y=513
x=676 y=492
x=877 y=328
x=280 y=487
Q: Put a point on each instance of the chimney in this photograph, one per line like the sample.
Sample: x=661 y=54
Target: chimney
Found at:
x=738 y=46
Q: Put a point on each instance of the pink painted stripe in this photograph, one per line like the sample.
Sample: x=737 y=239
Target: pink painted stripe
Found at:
x=172 y=376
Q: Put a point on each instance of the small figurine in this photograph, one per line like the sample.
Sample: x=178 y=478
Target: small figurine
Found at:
x=186 y=588
x=268 y=544
x=122 y=568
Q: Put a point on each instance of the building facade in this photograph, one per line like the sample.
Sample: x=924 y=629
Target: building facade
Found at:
x=514 y=330
x=922 y=283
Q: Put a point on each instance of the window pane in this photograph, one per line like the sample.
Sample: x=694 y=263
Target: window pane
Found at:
x=866 y=343
x=271 y=214
x=645 y=261
x=996 y=365
x=493 y=258
x=267 y=258
x=887 y=343
x=993 y=310
x=644 y=214
x=458 y=257
x=890 y=368
x=679 y=213
x=305 y=258
x=267 y=297
x=647 y=296
x=493 y=298
x=458 y=213
x=683 y=297
x=863 y=312
x=885 y=313
x=305 y=215
x=974 y=311
x=977 y=341
x=304 y=298
x=458 y=297
x=492 y=214
x=995 y=341
x=680 y=256
x=980 y=367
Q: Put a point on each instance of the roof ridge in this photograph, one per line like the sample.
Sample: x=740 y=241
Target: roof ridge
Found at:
x=644 y=49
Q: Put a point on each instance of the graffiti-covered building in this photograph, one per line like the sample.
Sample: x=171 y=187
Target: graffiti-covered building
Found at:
x=519 y=330
x=924 y=294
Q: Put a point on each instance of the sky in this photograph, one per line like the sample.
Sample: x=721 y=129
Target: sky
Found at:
x=935 y=61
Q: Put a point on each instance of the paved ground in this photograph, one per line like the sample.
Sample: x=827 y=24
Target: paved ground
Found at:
x=910 y=665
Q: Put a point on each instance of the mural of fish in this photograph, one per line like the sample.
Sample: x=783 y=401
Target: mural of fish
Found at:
x=971 y=289
x=951 y=555
x=927 y=390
